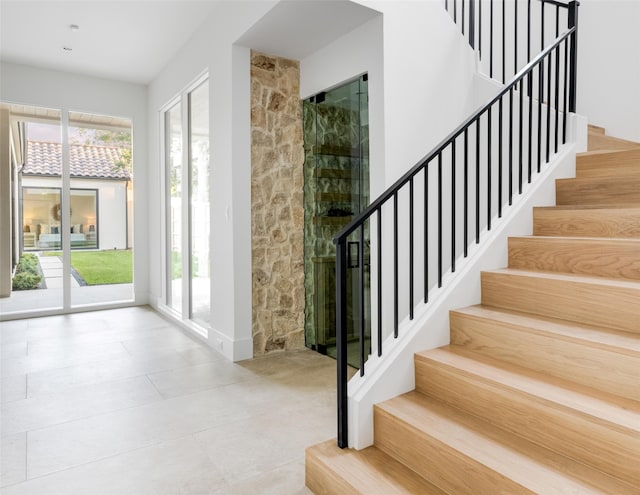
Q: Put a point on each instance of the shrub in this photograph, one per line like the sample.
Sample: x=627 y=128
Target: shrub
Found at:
x=27 y=275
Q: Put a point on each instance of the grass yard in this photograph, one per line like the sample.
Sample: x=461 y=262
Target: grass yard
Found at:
x=103 y=267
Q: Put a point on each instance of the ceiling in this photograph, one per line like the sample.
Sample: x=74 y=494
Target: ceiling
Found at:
x=134 y=40
x=122 y=40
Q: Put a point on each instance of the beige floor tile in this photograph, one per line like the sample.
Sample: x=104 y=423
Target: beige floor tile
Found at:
x=76 y=442
x=62 y=358
x=60 y=380
x=76 y=403
x=15 y=350
x=284 y=480
x=13 y=388
x=169 y=468
x=13 y=458
x=200 y=377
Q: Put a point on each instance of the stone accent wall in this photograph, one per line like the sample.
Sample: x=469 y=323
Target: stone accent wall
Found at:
x=277 y=216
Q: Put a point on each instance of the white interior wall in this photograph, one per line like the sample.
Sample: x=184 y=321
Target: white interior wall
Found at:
x=212 y=50
x=609 y=66
x=53 y=89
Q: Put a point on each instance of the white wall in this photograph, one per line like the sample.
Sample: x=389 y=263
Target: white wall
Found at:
x=212 y=50
x=609 y=65
x=26 y=85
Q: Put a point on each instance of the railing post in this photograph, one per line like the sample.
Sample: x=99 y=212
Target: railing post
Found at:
x=341 y=341
x=573 y=54
x=472 y=24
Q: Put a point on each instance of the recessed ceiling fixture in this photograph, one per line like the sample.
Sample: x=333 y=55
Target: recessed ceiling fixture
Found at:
x=67 y=49
x=74 y=27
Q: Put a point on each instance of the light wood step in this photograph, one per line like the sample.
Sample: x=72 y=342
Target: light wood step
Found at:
x=463 y=454
x=602 y=257
x=611 y=164
x=599 y=191
x=584 y=221
x=599 y=142
x=574 y=421
x=569 y=351
x=333 y=471
x=595 y=129
x=610 y=303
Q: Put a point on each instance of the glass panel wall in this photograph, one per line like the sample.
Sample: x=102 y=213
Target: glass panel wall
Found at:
x=200 y=282
x=101 y=179
x=36 y=158
x=173 y=159
x=336 y=188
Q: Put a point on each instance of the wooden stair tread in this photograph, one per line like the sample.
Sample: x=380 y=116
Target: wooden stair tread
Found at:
x=612 y=303
x=598 y=141
x=608 y=164
x=584 y=220
x=570 y=277
x=599 y=190
x=613 y=340
x=533 y=468
x=599 y=256
x=371 y=471
x=567 y=350
x=603 y=407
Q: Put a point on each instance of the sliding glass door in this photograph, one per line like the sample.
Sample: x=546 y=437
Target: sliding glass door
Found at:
x=186 y=132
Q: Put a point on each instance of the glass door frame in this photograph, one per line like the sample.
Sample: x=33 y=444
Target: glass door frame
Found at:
x=185 y=313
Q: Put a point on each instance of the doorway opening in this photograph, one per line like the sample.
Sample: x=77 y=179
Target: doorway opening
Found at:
x=336 y=188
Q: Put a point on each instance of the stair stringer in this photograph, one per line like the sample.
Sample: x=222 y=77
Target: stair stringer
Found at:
x=393 y=373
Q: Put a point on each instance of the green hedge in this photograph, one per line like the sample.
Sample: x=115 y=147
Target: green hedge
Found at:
x=27 y=276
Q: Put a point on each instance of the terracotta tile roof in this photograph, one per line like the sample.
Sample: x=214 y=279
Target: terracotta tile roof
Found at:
x=87 y=161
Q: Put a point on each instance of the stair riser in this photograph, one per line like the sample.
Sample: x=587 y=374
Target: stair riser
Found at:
x=619 y=164
x=624 y=223
x=598 y=257
x=321 y=480
x=598 y=191
x=614 y=306
x=607 y=447
x=437 y=462
x=578 y=361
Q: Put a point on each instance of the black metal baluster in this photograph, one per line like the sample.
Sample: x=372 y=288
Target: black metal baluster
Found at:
x=500 y=157
x=426 y=232
x=515 y=37
x=440 y=219
x=411 y=248
x=565 y=92
x=478 y=180
x=395 y=264
x=489 y=132
x=341 y=342
x=379 y=281
x=542 y=4
x=472 y=23
x=462 y=22
x=453 y=205
x=520 y=136
x=504 y=43
x=530 y=89
x=573 y=68
x=540 y=97
x=491 y=38
x=510 y=146
x=466 y=188
x=361 y=297
x=557 y=81
x=548 y=140
x=479 y=29
x=455 y=11
x=528 y=32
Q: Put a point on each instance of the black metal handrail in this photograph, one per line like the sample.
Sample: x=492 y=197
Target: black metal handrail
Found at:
x=488 y=148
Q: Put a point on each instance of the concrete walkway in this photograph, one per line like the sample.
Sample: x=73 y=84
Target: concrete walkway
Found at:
x=52 y=270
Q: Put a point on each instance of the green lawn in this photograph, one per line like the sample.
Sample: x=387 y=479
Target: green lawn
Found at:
x=103 y=267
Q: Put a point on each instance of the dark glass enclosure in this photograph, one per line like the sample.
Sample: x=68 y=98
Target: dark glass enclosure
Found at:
x=336 y=187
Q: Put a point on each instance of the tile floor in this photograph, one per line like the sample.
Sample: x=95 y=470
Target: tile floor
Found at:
x=122 y=402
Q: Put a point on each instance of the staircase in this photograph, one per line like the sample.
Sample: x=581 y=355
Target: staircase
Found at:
x=539 y=390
